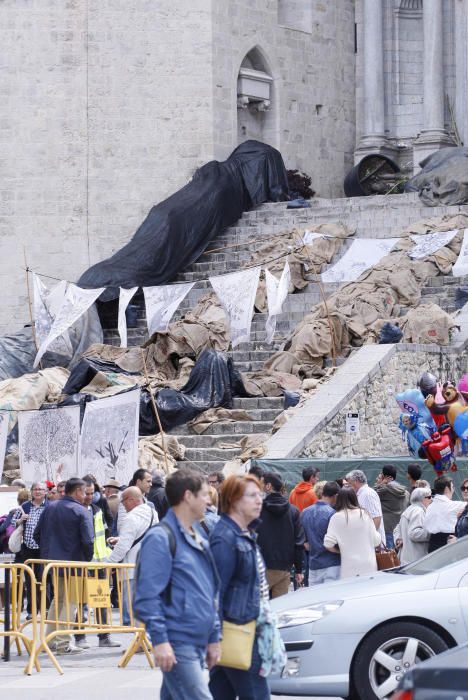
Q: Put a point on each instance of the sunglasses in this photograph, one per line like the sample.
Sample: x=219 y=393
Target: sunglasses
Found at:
x=464 y=488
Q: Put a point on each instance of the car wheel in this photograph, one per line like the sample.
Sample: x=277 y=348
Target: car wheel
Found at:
x=387 y=653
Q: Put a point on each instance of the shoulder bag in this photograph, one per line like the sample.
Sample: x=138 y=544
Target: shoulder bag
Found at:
x=387 y=559
x=16 y=540
x=237 y=645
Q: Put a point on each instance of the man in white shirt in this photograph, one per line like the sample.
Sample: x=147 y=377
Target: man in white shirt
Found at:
x=443 y=513
x=368 y=499
x=140 y=517
x=143 y=480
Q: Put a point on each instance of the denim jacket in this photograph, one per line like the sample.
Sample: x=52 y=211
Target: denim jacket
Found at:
x=190 y=615
x=234 y=552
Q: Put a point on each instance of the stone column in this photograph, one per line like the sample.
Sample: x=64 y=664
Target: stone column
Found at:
x=373 y=139
x=433 y=135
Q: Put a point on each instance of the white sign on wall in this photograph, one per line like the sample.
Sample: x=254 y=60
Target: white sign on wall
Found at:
x=352 y=423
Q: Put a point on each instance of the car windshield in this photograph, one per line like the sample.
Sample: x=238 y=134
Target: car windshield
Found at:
x=450 y=554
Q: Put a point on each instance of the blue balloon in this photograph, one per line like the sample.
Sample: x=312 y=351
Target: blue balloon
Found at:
x=411 y=401
x=461 y=424
x=460 y=427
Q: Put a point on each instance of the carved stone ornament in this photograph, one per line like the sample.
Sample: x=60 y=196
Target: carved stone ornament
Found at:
x=253 y=89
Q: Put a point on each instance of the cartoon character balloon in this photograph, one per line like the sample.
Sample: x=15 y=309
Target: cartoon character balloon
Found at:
x=431 y=391
x=453 y=403
x=411 y=402
x=439 y=452
x=414 y=432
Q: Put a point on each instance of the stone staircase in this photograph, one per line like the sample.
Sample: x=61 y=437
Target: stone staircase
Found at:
x=377 y=217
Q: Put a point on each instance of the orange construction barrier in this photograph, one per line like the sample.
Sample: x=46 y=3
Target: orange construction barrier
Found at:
x=81 y=605
x=12 y=628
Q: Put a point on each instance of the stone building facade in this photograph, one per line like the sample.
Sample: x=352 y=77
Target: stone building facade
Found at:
x=411 y=77
x=109 y=106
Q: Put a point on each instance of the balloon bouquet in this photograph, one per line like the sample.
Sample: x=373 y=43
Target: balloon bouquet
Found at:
x=434 y=421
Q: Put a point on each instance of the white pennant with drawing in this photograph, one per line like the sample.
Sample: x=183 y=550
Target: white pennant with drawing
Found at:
x=460 y=268
x=429 y=243
x=236 y=293
x=124 y=300
x=74 y=305
x=362 y=254
x=277 y=291
x=46 y=303
x=162 y=303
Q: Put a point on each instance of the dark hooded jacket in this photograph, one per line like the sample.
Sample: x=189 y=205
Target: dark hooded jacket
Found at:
x=394 y=499
x=280 y=534
x=157 y=496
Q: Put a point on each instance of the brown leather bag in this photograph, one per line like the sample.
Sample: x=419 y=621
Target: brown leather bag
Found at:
x=387 y=559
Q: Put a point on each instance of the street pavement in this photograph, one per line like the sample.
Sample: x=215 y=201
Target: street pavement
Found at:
x=92 y=675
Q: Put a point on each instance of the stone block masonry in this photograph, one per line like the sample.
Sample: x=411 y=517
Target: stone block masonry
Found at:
x=107 y=107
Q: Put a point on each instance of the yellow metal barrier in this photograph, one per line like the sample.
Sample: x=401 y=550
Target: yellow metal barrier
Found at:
x=81 y=605
x=16 y=631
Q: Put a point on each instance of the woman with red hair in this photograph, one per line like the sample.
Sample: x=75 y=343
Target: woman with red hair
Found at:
x=243 y=585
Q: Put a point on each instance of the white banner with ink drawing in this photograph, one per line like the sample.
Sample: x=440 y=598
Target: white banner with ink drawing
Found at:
x=109 y=437
x=236 y=293
x=162 y=303
x=74 y=305
x=362 y=254
x=49 y=443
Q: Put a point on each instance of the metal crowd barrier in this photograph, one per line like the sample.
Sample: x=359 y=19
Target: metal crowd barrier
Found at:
x=81 y=604
x=12 y=628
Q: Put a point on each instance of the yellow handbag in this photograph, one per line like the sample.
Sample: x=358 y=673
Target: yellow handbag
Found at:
x=237 y=645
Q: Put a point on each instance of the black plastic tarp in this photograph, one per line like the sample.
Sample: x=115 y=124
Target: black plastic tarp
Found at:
x=213 y=382
x=177 y=231
x=18 y=350
x=443 y=178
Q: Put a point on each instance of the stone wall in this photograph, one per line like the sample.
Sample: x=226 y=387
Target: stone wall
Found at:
x=378 y=411
x=312 y=119
x=109 y=106
x=106 y=109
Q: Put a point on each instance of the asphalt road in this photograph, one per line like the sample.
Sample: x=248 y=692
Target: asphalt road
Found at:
x=92 y=675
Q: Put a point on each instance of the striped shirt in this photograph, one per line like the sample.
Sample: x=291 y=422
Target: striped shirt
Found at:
x=369 y=501
x=30 y=524
x=264 y=588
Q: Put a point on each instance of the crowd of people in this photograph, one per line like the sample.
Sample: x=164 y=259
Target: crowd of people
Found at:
x=212 y=552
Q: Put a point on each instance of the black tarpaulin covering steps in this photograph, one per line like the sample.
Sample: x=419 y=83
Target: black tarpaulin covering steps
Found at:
x=18 y=350
x=213 y=382
x=177 y=231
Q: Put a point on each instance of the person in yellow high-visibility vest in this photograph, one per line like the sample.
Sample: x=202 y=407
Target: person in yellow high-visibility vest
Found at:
x=100 y=552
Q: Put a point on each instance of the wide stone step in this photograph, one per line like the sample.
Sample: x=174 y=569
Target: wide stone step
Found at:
x=206 y=467
x=248 y=355
x=264 y=415
x=250 y=366
x=208 y=454
x=182 y=432
x=251 y=403
x=213 y=440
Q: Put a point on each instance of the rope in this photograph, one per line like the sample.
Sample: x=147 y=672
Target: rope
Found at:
x=207 y=279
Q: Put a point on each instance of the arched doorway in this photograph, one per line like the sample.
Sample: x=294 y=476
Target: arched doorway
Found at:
x=255 y=99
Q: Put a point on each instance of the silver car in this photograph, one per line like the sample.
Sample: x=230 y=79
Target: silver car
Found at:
x=356 y=637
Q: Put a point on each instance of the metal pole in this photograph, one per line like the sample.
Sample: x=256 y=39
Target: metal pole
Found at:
x=6 y=624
